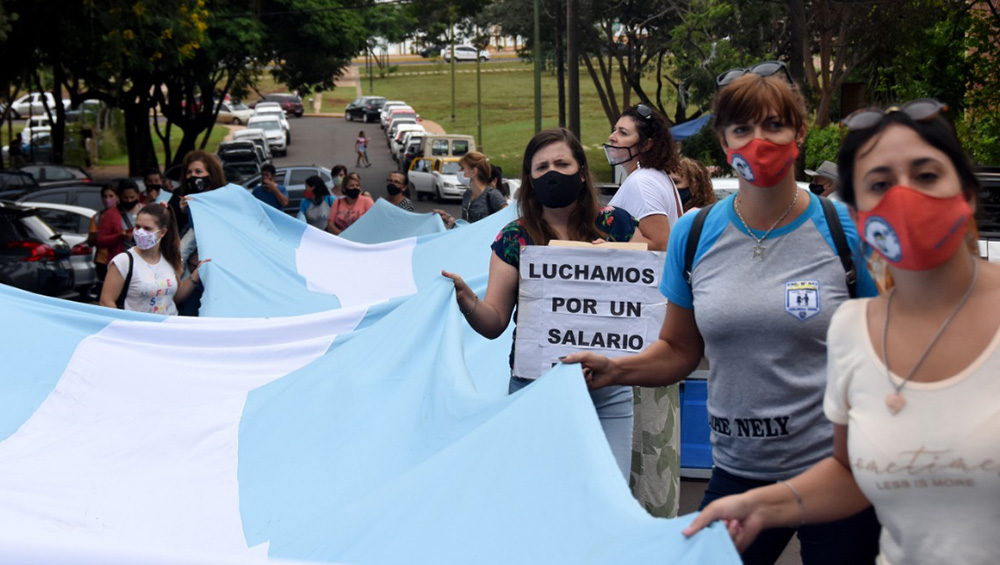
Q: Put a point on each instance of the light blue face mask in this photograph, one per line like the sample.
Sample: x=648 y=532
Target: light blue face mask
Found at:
x=462 y=180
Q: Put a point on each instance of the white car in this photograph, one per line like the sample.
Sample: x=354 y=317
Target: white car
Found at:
x=275 y=132
x=36 y=125
x=258 y=137
x=411 y=140
x=34 y=103
x=234 y=113
x=437 y=178
x=274 y=109
x=383 y=114
x=73 y=223
x=465 y=53
x=397 y=139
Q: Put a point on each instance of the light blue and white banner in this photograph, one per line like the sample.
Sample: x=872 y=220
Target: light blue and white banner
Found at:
x=388 y=222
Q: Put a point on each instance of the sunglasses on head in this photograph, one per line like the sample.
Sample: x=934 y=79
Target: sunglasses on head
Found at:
x=645 y=111
x=922 y=110
x=765 y=69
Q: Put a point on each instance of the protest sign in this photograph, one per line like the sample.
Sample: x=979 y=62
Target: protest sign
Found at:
x=591 y=298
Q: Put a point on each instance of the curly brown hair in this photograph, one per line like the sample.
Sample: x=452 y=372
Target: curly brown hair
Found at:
x=652 y=125
x=699 y=183
x=212 y=165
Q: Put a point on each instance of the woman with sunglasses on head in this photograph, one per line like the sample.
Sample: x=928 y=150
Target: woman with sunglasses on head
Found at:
x=557 y=201
x=641 y=143
x=913 y=374
x=756 y=301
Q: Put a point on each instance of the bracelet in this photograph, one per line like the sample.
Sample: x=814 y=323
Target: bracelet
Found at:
x=798 y=498
x=474 y=306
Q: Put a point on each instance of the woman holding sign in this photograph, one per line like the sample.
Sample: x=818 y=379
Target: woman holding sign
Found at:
x=557 y=201
x=767 y=270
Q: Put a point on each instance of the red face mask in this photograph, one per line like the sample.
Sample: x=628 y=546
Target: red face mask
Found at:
x=915 y=231
x=763 y=163
x=308 y=193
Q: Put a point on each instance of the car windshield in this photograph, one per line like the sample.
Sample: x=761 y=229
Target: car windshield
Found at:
x=238 y=106
x=268 y=125
x=450 y=168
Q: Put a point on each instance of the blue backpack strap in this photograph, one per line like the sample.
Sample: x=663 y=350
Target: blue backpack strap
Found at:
x=840 y=242
x=692 y=242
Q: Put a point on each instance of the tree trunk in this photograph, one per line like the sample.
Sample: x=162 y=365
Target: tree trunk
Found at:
x=560 y=66
x=138 y=138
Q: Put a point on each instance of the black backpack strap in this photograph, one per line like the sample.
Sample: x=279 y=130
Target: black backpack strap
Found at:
x=128 y=280
x=840 y=242
x=692 y=242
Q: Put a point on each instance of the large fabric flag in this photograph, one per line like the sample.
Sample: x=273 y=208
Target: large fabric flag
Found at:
x=266 y=263
x=319 y=437
x=388 y=222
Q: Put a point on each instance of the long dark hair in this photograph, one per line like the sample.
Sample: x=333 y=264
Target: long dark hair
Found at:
x=170 y=243
x=582 y=222
x=662 y=154
x=319 y=188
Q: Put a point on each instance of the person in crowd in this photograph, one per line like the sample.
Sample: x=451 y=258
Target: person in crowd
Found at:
x=155 y=183
x=912 y=384
x=361 y=148
x=339 y=173
x=202 y=173
x=268 y=191
x=825 y=179
x=398 y=192
x=106 y=232
x=641 y=143
x=129 y=206
x=558 y=200
x=152 y=269
x=497 y=182
x=314 y=209
x=353 y=205
x=757 y=300
x=693 y=183
x=481 y=198
x=15 y=150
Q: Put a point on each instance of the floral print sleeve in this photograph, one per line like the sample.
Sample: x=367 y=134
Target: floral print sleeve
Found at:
x=509 y=242
x=617 y=223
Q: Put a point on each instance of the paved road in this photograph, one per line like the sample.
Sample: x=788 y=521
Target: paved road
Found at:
x=329 y=141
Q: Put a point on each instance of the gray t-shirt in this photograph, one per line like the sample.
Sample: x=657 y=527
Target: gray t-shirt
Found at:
x=764 y=325
x=488 y=202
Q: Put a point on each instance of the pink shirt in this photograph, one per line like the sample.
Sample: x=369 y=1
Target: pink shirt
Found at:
x=343 y=214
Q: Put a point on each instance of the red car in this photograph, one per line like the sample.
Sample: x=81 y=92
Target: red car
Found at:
x=290 y=103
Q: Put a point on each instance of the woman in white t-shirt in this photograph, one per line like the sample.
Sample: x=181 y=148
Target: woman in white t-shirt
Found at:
x=153 y=267
x=641 y=143
x=914 y=374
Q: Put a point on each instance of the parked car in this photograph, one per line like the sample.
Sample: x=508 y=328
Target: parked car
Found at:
x=272 y=109
x=414 y=148
x=397 y=139
x=989 y=217
x=436 y=178
x=273 y=130
x=239 y=151
x=235 y=113
x=395 y=111
x=33 y=256
x=294 y=180
x=36 y=125
x=366 y=108
x=398 y=120
x=464 y=53
x=85 y=195
x=18 y=180
x=290 y=103
x=38 y=149
x=448 y=145
x=404 y=142
x=47 y=175
x=34 y=103
x=73 y=224
x=238 y=171
x=383 y=114
x=258 y=138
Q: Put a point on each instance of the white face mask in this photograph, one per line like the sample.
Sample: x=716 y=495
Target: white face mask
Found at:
x=145 y=239
x=463 y=180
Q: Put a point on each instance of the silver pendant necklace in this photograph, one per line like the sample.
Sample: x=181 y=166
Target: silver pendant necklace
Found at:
x=758 y=250
x=894 y=401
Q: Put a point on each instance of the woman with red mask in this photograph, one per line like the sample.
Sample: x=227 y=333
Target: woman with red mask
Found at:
x=756 y=300
x=912 y=373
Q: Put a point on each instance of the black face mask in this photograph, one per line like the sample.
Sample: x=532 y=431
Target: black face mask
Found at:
x=352 y=193
x=556 y=190
x=127 y=204
x=152 y=187
x=197 y=184
x=685 y=194
x=816 y=188
x=392 y=189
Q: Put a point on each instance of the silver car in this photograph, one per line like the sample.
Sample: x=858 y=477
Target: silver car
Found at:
x=73 y=223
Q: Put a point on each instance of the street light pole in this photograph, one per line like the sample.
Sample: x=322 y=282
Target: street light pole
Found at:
x=479 y=94
x=451 y=20
x=537 y=48
x=573 y=56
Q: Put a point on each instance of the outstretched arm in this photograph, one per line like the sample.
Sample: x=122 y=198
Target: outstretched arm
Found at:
x=491 y=315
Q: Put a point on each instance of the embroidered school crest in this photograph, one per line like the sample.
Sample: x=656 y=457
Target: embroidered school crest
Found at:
x=742 y=167
x=880 y=235
x=802 y=299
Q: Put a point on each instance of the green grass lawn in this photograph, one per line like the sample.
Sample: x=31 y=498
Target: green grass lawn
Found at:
x=219 y=132
x=507 y=108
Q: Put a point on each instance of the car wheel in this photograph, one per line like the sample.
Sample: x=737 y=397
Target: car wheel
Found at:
x=483 y=59
x=348 y=116
x=413 y=190
x=438 y=197
x=236 y=121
